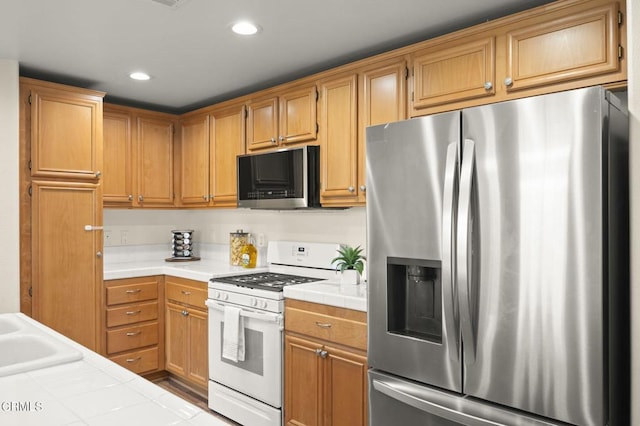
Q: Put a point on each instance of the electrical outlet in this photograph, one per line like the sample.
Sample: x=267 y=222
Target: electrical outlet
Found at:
x=261 y=240
x=108 y=238
x=124 y=237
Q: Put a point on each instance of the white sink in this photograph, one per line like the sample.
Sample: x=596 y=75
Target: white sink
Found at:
x=26 y=347
x=10 y=324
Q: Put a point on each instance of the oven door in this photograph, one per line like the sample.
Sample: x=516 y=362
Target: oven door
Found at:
x=260 y=374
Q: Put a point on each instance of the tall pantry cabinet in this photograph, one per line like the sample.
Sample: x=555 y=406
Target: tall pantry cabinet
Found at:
x=61 y=208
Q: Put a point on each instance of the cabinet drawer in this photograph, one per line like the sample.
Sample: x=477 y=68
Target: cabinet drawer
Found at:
x=187 y=294
x=344 y=331
x=135 y=292
x=138 y=361
x=132 y=337
x=132 y=313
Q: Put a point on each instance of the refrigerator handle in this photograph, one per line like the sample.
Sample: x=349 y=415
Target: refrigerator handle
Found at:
x=449 y=290
x=400 y=394
x=463 y=253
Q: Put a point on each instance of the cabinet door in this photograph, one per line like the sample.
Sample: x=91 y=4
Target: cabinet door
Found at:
x=66 y=134
x=455 y=71
x=176 y=339
x=262 y=124
x=67 y=269
x=155 y=161
x=382 y=100
x=117 y=182
x=345 y=377
x=194 y=161
x=303 y=382
x=576 y=45
x=298 y=116
x=338 y=142
x=227 y=142
x=198 y=371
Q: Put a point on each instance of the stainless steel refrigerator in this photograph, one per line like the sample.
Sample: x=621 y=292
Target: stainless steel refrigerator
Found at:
x=498 y=264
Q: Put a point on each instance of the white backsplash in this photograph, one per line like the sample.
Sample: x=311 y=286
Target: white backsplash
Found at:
x=143 y=227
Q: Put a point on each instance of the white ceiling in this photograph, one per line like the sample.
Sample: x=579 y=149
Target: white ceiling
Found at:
x=193 y=57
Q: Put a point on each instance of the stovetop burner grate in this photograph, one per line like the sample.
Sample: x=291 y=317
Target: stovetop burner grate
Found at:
x=267 y=280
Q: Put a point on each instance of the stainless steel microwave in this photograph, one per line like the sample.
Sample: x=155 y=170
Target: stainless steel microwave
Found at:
x=279 y=180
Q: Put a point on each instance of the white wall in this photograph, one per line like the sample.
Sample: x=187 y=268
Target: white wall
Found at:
x=213 y=226
x=9 y=200
x=633 y=36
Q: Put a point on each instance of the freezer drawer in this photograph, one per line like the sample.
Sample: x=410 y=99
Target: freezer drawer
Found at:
x=397 y=401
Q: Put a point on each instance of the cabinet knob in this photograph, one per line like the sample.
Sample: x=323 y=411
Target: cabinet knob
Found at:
x=488 y=85
x=99 y=254
x=273 y=140
x=185 y=313
x=363 y=188
x=140 y=198
x=508 y=81
x=318 y=352
x=281 y=138
x=351 y=189
x=130 y=197
x=205 y=197
x=323 y=354
x=98 y=174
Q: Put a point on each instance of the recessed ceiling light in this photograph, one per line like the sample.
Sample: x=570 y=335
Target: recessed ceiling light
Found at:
x=139 y=76
x=244 y=28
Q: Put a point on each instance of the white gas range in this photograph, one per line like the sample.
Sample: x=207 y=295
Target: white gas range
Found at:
x=246 y=363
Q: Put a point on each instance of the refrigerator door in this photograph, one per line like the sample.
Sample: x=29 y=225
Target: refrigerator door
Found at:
x=412 y=172
x=530 y=255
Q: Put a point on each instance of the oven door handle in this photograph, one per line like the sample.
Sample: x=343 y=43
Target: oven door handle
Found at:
x=244 y=312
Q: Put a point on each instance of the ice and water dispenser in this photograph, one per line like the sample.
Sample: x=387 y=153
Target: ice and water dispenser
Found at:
x=414 y=298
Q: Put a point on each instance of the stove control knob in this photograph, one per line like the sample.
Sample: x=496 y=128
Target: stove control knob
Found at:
x=216 y=295
x=225 y=296
x=253 y=301
x=263 y=304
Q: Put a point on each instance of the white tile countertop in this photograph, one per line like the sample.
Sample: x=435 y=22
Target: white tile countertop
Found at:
x=147 y=261
x=199 y=270
x=330 y=293
x=142 y=261
x=91 y=391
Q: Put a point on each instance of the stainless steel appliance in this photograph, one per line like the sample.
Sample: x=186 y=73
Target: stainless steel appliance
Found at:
x=498 y=264
x=283 y=179
x=249 y=390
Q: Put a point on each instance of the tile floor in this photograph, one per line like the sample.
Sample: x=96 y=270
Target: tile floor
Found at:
x=187 y=394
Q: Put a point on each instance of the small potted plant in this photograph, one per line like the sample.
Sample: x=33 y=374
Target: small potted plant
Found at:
x=350 y=262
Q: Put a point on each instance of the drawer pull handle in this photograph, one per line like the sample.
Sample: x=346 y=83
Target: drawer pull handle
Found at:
x=186 y=293
x=133 y=312
x=134 y=359
x=137 y=290
x=133 y=333
x=323 y=324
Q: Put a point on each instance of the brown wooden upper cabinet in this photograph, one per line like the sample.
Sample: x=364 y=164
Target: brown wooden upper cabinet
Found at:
x=282 y=119
x=228 y=139
x=454 y=71
x=549 y=50
x=194 y=161
x=66 y=132
x=210 y=143
x=155 y=161
x=349 y=103
x=138 y=157
x=117 y=183
x=382 y=89
x=564 y=45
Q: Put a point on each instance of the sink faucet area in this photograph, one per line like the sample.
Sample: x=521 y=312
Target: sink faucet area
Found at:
x=24 y=347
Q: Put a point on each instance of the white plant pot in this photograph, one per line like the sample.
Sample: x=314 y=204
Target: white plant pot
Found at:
x=350 y=277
